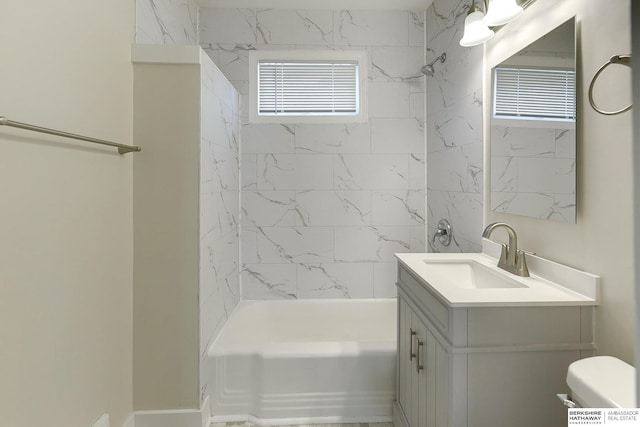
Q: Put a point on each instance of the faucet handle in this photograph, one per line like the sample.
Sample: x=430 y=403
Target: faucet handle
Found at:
x=503 y=253
x=521 y=263
x=443 y=232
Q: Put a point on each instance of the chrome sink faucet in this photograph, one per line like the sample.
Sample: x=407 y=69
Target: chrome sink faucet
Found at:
x=511 y=259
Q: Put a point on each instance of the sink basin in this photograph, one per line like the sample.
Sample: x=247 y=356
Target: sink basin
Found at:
x=470 y=274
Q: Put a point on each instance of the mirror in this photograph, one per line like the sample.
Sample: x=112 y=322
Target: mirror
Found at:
x=533 y=129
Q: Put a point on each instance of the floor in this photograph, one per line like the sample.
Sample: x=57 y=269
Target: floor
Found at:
x=247 y=424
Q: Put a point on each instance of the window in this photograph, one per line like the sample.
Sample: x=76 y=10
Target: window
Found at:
x=534 y=93
x=317 y=86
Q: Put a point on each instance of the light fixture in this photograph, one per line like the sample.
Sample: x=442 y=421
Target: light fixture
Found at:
x=475 y=30
x=476 y=25
x=500 y=12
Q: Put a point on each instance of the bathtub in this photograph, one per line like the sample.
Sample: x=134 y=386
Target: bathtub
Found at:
x=305 y=362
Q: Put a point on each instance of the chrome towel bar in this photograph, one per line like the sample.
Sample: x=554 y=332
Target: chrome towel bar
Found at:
x=122 y=149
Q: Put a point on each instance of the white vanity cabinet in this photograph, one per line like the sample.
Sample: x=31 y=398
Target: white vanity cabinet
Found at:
x=481 y=365
x=423 y=367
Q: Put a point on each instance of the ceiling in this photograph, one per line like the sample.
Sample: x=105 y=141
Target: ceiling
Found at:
x=320 y=4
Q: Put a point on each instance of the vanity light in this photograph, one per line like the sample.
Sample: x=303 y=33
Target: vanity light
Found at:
x=500 y=12
x=475 y=30
x=476 y=25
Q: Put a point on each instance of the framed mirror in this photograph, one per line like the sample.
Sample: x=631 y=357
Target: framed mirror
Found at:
x=533 y=129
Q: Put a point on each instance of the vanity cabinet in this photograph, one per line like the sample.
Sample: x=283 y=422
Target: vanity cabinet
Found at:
x=483 y=365
x=422 y=371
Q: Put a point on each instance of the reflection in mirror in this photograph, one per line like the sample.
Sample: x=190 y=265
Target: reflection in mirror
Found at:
x=533 y=129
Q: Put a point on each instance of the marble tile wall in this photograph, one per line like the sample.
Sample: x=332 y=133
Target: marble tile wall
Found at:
x=534 y=172
x=454 y=135
x=167 y=22
x=219 y=208
x=325 y=206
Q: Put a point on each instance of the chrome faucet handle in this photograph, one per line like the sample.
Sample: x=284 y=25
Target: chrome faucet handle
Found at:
x=439 y=232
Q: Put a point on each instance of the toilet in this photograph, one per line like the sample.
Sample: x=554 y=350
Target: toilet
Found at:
x=601 y=382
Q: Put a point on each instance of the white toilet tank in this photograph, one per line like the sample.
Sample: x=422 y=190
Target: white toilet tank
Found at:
x=602 y=382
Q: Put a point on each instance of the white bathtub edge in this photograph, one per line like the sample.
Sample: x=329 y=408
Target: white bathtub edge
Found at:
x=286 y=387
x=270 y=422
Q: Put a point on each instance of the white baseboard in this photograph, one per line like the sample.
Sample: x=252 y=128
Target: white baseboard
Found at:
x=131 y=421
x=399 y=419
x=172 y=418
x=103 y=421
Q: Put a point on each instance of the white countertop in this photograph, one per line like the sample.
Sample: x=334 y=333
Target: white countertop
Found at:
x=537 y=291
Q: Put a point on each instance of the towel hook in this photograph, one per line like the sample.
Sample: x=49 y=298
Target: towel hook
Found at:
x=615 y=59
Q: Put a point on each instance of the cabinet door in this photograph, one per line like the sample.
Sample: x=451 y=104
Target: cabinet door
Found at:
x=423 y=398
x=423 y=369
x=433 y=380
x=404 y=337
x=408 y=387
x=440 y=377
x=417 y=394
x=429 y=373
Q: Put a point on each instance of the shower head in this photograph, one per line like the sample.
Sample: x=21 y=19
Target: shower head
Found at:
x=428 y=69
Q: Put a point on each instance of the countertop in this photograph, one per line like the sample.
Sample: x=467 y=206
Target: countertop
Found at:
x=538 y=291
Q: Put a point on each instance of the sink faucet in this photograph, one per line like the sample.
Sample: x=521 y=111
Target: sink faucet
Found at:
x=511 y=259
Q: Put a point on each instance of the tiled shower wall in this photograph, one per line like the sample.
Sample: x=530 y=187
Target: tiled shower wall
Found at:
x=167 y=22
x=454 y=123
x=219 y=208
x=325 y=206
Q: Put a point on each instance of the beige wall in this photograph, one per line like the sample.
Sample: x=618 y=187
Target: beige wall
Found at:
x=66 y=239
x=601 y=241
x=166 y=224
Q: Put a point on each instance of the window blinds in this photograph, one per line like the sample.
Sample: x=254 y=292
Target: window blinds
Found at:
x=308 y=88
x=534 y=93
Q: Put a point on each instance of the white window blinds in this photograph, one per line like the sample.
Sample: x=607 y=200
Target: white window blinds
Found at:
x=535 y=93
x=308 y=88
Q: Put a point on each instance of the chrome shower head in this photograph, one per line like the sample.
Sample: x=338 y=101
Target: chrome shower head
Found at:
x=428 y=69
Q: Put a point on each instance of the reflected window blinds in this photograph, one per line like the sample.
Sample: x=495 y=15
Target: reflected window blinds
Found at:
x=534 y=93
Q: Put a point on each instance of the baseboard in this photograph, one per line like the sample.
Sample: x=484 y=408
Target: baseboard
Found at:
x=399 y=420
x=131 y=421
x=173 y=418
